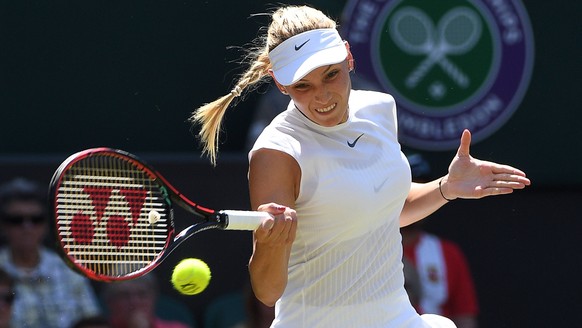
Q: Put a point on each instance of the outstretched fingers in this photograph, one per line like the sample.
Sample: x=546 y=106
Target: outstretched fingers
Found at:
x=503 y=179
x=470 y=177
x=505 y=174
x=465 y=145
x=510 y=181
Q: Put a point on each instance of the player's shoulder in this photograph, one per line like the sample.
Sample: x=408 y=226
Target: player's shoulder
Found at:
x=279 y=136
x=372 y=105
x=371 y=96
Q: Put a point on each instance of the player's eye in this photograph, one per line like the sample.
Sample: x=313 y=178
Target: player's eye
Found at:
x=332 y=74
x=301 y=86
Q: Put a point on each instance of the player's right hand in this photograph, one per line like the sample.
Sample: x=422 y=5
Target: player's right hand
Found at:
x=280 y=229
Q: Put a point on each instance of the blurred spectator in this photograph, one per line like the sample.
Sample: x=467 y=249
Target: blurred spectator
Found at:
x=97 y=321
x=238 y=310
x=259 y=315
x=446 y=285
x=132 y=304
x=411 y=282
x=226 y=311
x=49 y=294
x=6 y=298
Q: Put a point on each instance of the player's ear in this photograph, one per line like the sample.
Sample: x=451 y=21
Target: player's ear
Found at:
x=350 y=58
x=279 y=85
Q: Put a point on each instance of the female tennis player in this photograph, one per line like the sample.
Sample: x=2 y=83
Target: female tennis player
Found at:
x=331 y=171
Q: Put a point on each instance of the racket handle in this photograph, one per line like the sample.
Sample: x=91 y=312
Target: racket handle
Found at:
x=244 y=220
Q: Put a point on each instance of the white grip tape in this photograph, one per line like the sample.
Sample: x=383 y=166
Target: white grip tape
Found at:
x=245 y=220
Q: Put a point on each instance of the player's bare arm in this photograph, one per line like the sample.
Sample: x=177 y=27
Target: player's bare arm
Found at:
x=273 y=183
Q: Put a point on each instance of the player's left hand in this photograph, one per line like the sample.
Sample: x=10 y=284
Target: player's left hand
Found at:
x=473 y=178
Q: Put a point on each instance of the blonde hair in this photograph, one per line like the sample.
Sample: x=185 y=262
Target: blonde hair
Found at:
x=285 y=23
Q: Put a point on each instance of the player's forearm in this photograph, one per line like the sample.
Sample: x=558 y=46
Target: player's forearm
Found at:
x=268 y=272
x=423 y=200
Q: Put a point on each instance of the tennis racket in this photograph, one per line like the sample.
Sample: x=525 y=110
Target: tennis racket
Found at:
x=114 y=216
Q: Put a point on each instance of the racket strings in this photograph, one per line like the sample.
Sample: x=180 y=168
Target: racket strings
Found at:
x=111 y=216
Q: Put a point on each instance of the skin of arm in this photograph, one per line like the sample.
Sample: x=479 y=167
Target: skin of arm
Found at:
x=423 y=200
x=273 y=185
x=468 y=178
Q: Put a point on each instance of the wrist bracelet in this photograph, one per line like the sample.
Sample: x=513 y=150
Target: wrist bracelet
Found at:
x=441 y=190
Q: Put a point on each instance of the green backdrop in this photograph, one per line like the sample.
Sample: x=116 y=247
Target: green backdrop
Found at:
x=128 y=74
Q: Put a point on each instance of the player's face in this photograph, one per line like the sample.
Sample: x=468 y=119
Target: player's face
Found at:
x=322 y=95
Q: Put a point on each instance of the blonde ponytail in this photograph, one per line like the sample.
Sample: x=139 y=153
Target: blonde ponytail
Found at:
x=210 y=115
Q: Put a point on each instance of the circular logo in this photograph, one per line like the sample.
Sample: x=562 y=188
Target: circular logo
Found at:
x=450 y=64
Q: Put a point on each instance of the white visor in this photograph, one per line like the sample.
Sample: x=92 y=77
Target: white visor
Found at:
x=300 y=54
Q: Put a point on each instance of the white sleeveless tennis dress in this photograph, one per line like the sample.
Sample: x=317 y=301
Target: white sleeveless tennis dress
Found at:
x=345 y=268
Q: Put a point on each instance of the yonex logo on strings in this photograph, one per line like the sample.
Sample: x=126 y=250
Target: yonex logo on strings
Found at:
x=456 y=33
x=117 y=227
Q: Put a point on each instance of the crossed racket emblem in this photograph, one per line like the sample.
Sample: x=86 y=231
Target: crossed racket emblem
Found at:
x=456 y=33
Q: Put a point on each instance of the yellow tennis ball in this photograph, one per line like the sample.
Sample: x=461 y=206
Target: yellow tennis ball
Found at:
x=191 y=276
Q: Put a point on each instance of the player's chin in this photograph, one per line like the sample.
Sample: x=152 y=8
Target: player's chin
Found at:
x=331 y=117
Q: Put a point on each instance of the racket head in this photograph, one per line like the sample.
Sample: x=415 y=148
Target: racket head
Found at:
x=112 y=213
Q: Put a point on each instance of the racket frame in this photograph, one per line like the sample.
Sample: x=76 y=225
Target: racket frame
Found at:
x=208 y=218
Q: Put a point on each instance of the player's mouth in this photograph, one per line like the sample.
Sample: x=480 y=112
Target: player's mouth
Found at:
x=326 y=109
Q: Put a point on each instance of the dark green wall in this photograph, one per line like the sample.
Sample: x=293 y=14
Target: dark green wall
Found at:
x=123 y=74
x=127 y=74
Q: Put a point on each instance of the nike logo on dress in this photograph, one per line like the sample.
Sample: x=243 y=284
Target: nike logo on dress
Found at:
x=378 y=187
x=353 y=144
x=297 y=47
